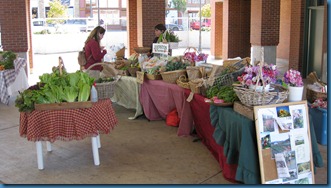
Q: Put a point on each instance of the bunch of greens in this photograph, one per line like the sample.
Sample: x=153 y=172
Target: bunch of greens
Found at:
x=224 y=92
x=56 y=88
x=7 y=59
x=155 y=70
x=170 y=36
x=102 y=80
x=171 y=66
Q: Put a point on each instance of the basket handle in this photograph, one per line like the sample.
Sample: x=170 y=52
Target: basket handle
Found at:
x=61 y=65
x=95 y=64
x=188 y=49
x=182 y=77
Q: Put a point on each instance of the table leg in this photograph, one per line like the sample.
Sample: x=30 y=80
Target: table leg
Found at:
x=98 y=141
x=48 y=146
x=95 y=151
x=40 y=155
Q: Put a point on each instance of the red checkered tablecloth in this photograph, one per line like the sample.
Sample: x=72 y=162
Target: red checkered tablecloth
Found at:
x=7 y=77
x=68 y=124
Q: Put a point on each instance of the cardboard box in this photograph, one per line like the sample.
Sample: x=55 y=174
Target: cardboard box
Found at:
x=243 y=110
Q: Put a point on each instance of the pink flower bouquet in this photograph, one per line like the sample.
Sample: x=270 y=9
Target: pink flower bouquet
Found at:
x=250 y=75
x=293 y=78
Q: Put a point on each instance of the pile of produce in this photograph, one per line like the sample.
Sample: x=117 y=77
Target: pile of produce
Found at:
x=7 y=60
x=56 y=88
x=221 y=94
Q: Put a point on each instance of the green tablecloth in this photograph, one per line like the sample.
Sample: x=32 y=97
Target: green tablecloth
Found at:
x=237 y=135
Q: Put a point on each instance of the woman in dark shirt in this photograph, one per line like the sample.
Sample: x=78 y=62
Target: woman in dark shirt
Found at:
x=94 y=52
x=158 y=30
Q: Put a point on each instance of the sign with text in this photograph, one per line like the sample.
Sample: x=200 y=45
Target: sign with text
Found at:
x=160 y=48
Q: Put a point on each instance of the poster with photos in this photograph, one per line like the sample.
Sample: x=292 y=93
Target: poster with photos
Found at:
x=284 y=144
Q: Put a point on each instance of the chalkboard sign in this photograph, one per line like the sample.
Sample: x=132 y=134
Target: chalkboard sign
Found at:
x=284 y=143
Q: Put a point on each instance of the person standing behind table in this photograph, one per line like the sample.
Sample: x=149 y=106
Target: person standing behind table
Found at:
x=94 y=52
x=158 y=30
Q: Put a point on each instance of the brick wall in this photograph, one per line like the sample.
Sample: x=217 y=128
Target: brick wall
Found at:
x=236 y=28
x=153 y=13
x=296 y=35
x=284 y=30
x=15 y=28
x=270 y=22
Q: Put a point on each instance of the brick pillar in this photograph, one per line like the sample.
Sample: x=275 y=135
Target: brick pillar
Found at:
x=265 y=21
x=216 y=29
x=297 y=34
x=153 y=13
x=15 y=22
x=236 y=28
x=132 y=26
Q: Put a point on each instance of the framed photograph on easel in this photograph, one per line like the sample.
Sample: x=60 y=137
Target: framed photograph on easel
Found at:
x=284 y=143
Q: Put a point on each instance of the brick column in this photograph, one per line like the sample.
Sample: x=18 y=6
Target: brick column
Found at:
x=216 y=28
x=143 y=15
x=236 y=28
x=265 y=21
x=132 y=26
x=15 y=22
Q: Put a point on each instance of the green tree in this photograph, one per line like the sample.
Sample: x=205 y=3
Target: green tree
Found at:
x=206 y=11
x=179 y=5
x=57 y=10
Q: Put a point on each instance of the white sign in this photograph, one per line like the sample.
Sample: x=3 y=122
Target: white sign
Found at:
x=160 y=48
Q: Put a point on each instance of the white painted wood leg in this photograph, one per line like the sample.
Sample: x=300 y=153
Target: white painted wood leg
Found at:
x=98 y=140
x=95 y=151
x=40 y=155
x=48 y=146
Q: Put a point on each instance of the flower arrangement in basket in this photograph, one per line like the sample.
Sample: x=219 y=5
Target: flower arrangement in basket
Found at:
x=194 y=56
x=255 y=81
x=255 y=76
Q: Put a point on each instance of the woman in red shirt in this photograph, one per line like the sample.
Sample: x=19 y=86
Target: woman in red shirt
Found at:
x=94 y=52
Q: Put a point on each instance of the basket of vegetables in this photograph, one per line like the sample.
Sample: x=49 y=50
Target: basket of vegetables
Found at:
x=221 y=96
x=56 y=91
x=173 y=71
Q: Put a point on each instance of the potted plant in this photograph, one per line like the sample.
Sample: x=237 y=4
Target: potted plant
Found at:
x=169 y=37
x=293 y=81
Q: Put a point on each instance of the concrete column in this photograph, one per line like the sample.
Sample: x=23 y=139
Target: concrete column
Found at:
x=265 y=21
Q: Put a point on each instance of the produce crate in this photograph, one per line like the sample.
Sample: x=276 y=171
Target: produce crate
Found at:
x=319 y=118
x=243 y=110
x=63 y=105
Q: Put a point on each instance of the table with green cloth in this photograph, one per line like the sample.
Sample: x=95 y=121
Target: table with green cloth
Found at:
x=126 y=94
x=237 y=135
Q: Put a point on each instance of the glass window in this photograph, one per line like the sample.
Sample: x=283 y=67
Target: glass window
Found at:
x=123 y=3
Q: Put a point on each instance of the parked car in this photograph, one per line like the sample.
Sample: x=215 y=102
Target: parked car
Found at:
x=74 y=26
x=174 y=27
x=196 y=24
x=41 y=25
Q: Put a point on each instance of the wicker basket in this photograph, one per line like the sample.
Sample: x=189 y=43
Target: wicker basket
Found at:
x=105 y=89
x=183 y=82
x=312 y=95
x=120 y=53
x=142 y=50
x=196 y=85
x=133 y=71
x=172 y=76
x=251 y=97
x=153 y=76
